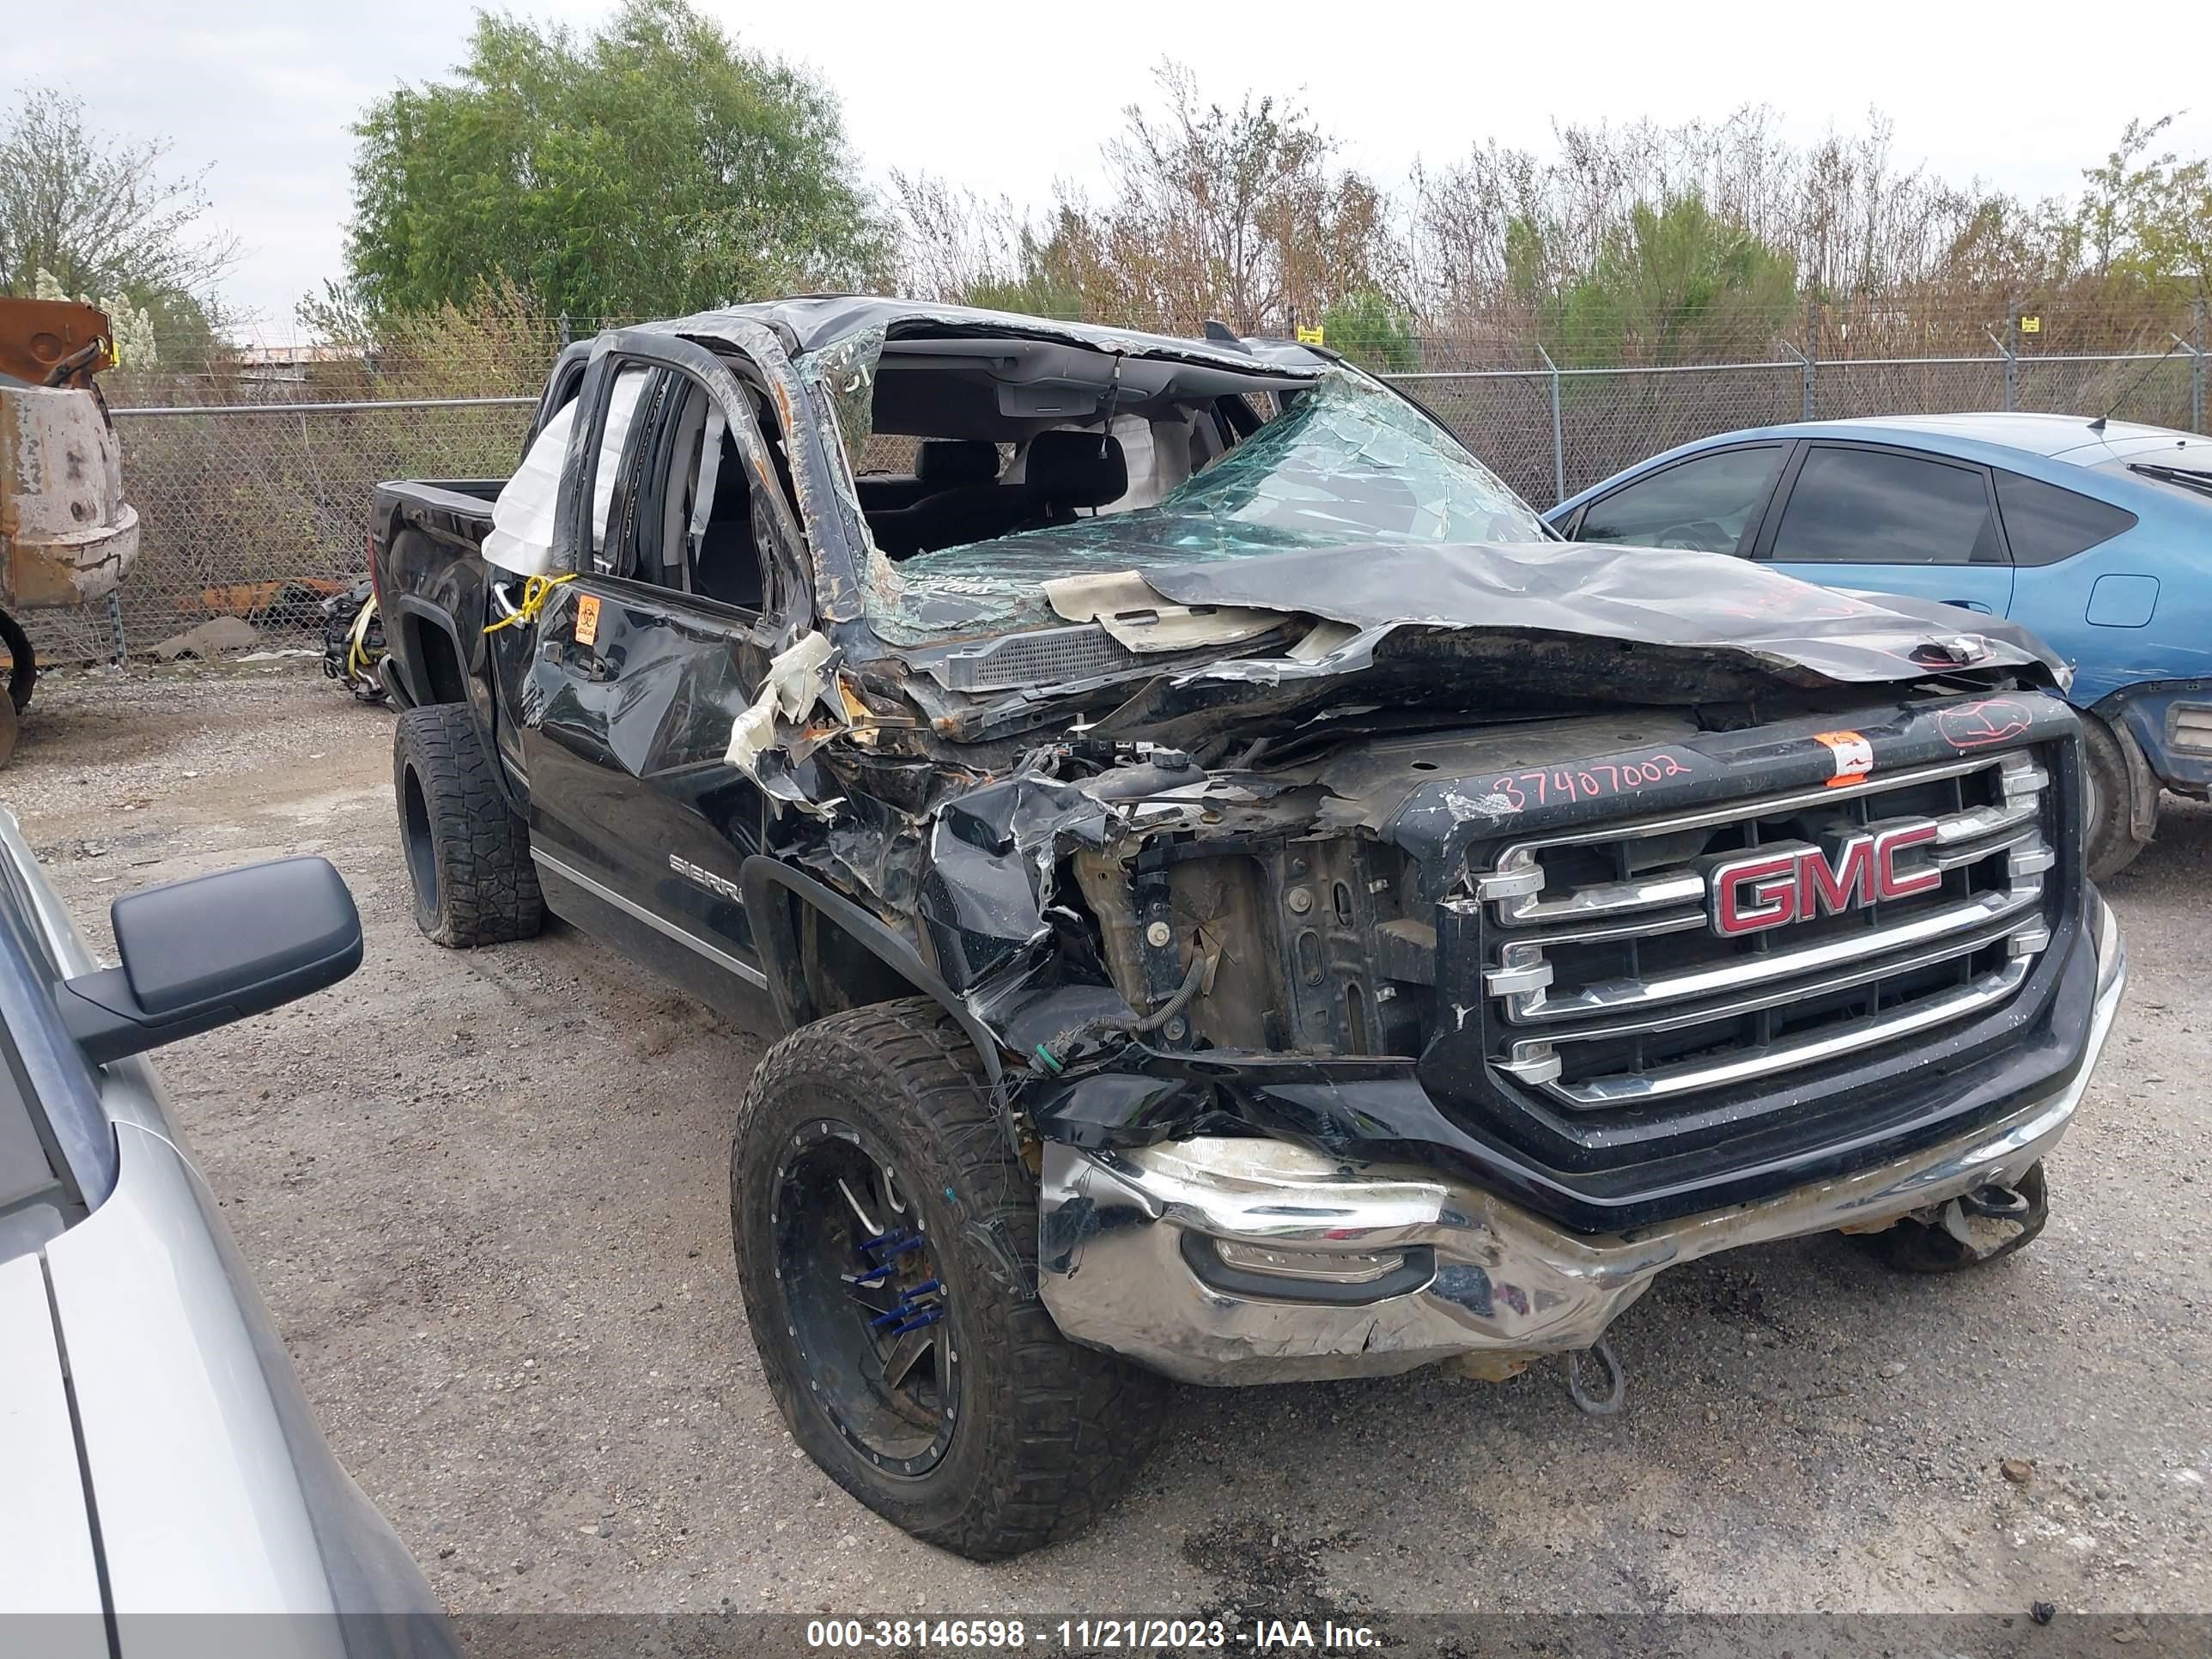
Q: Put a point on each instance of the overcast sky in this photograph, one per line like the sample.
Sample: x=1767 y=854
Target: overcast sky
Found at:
x=1007 y=99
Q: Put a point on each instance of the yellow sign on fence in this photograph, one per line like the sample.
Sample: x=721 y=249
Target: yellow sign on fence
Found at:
x=2030 y=325
x=1310 y=335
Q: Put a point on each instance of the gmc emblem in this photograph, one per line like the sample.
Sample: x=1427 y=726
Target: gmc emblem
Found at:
x=1796 y=883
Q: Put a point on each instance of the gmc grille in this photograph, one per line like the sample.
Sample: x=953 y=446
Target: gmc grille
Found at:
x=1610 y=987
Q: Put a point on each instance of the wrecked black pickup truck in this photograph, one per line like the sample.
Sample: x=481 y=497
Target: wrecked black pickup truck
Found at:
x=1239 y=901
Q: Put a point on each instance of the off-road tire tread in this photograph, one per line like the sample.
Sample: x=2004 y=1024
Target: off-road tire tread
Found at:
x=1082 y=1420
x=488 y=891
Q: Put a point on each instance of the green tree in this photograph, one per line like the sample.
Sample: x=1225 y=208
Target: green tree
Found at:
x=2146 y=218
x=1674 y=283
x=649 y=170
x=1373 y=332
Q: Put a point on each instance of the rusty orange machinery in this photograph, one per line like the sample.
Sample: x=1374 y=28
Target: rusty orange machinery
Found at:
x=66 y=534
x=54 y=343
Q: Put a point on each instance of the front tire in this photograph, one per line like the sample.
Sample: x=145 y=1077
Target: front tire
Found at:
x=468 y=853
x=936 y=1390
x=2110 y=824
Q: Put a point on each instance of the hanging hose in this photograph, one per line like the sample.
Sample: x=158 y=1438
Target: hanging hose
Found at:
x=1052 y=1055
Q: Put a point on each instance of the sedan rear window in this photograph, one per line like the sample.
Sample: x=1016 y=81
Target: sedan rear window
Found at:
x=1875 y=507
x=2045 y=524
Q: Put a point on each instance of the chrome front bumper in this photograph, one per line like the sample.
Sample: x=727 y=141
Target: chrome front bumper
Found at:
x=1120 y=1230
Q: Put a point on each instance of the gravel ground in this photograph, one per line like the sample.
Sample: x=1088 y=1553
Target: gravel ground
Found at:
x=485 y=1195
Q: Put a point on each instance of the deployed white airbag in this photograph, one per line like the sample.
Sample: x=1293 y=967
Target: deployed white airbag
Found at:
x=521 y=536
x=521 y=539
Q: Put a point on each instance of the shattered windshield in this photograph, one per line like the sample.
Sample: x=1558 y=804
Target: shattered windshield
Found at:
x=1349 y=464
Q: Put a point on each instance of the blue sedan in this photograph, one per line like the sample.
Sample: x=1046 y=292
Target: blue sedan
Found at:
x=2096 y=535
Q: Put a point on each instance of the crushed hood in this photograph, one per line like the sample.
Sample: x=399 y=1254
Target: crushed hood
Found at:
x=1705 y=602
x=1490 y=630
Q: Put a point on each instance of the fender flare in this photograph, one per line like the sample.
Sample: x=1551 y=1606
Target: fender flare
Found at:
x=405 y=607
x=478 y=695
x=768 y=883
x=2142 y=782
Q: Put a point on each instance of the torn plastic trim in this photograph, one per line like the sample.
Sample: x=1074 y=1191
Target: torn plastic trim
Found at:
x=797 y=680
x=1133 y=613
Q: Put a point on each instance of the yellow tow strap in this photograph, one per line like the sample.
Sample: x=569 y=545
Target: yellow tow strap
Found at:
x=535 y=590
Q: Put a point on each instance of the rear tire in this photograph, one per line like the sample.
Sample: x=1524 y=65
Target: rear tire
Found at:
x=1023 y=1437
x=467 y=852
x=2110 y=826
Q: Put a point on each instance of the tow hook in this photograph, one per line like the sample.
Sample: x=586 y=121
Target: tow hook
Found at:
x=2001 y=1202
x=1988 y=1217
x=1603 y=1405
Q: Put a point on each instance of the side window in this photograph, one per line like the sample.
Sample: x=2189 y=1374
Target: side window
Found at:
x=1704 y=503
x=614 y=464
x=771 y=431
x=2045 y=524
x=561 y=387
x=696 y=530
x=1872 y=507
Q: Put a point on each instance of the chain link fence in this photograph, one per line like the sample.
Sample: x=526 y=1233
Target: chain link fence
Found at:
x=257 y=511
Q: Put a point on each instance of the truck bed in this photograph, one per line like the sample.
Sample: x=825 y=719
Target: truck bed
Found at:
x=458 y=507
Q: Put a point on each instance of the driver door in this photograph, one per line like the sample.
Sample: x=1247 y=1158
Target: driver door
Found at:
x=682 y=547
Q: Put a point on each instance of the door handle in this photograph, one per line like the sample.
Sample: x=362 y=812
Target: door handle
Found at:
x=1971 y=604
x=502 y=601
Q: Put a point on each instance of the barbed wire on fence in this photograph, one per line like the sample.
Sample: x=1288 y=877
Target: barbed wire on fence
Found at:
x=257 y=507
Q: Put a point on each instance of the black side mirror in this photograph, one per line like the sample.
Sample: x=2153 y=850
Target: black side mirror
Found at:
x=200 y=953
